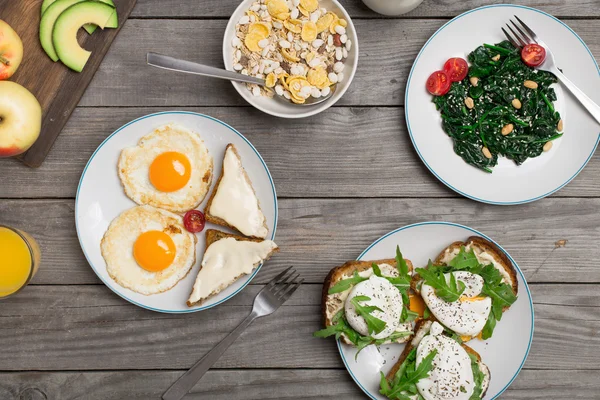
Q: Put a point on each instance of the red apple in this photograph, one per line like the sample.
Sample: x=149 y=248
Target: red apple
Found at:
x=11 y=51
x=20 y=119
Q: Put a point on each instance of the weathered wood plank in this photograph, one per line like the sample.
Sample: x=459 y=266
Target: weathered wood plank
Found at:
x=343 y=152
x=258 y=385
x=386 y=46
x=356 y=9
x=89 y=328
x=316 y=235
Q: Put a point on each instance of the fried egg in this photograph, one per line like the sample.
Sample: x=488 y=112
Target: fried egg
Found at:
x=382 y=294
x=147 y=249
x=468 y=315
x=170 y=168
x=451 y=375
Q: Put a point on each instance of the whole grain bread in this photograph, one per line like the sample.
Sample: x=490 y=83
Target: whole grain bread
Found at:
x=212 y=236
x=331 y=303
x=220 y=221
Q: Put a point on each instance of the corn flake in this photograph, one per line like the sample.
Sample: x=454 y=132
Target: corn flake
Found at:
x=270 y=80
x=317 y=76
x=288 y=56
x=309 y=31
x=260 y=28
x=251 y=41
x=303 y=11
x=293 y=25
x=309 y=5
x=277 y=7
x=324 y=22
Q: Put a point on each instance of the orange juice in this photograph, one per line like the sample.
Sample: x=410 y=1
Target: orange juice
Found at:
x=19 y=259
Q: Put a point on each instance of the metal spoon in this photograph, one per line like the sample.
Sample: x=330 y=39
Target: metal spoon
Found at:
x=175 y=64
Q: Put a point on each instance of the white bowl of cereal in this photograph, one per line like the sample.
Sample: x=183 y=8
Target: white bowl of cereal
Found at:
x=303 y=48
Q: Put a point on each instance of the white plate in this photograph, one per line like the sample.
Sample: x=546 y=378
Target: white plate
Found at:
x=100 y=198
x=281 y=108
x=504 y=353
x=508 y=184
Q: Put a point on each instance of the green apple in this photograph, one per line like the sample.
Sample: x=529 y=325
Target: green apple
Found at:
x=64 y=34
x=90 y=28
x=20 y=119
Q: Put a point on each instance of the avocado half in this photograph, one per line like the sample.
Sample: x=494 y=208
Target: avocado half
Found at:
x=64 y=34
x=90 y=28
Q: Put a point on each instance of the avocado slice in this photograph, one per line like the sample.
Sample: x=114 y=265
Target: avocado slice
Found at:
x=47 y=22
x=90 y=28
x=64 y=34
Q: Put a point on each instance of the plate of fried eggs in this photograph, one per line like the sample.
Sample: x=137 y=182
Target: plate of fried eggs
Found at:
x=132 y=197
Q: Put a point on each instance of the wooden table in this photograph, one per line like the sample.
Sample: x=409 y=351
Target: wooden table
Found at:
x=344 y=177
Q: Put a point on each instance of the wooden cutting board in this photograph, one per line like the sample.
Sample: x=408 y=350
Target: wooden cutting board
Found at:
x=57 y=88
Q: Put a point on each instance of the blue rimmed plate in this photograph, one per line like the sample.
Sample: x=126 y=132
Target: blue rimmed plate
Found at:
x=504 y=353
x=509 y=183
x=100 y=198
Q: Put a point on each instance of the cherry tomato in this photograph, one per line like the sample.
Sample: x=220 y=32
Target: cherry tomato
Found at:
x=533 y=55
x=438 y=83
x=456 y=68
x=194 y=221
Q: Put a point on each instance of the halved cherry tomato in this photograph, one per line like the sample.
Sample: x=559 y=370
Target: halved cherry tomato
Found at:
x=456 y=68
x=438 y=83
x=533 y=55
x=194 y=221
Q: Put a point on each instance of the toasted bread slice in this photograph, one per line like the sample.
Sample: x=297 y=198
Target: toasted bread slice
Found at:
x=235 y=209
x=481 y=245
x=333 y=303
x=421 y=330
x=215 y=286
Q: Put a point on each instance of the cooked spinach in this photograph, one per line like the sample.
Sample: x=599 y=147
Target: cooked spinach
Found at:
x=500 y=81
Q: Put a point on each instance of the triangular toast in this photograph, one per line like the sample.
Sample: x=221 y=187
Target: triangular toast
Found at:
x=264 y=249
x=224 y=208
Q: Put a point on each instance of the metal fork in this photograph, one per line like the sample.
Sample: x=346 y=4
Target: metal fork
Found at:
x=266 y=302
x=523 y=36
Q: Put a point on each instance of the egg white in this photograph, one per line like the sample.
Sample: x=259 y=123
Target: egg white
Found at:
x=117 y=249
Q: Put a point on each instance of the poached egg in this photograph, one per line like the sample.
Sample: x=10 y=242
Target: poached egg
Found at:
x=382 y=294
x=468 y=315
x=451 y=376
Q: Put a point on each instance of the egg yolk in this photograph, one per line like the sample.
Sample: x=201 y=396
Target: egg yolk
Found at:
x=170 y=171
x=154 y=251
x=416 y=304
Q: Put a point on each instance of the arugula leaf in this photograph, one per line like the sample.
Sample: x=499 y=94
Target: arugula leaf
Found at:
x=426 y=313
x=478 y=378
x=464 y=260
x=449 y=291
x=407 y=315
x=489 y=326
x=374 y=324
x=401 y=264
x=346 y=284
x=403 y=385
x=377 y=270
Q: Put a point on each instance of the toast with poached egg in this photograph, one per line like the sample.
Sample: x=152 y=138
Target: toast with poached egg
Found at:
x=233 y=202
x=367 y=302
x=227 y=258
x=468 y=287
x=436 y=365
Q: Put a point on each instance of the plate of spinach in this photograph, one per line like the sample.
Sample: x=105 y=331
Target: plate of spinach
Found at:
x=506 y=133
x=504 y=353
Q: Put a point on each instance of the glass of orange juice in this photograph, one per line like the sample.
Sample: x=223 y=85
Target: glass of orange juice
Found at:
x=19 y=260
